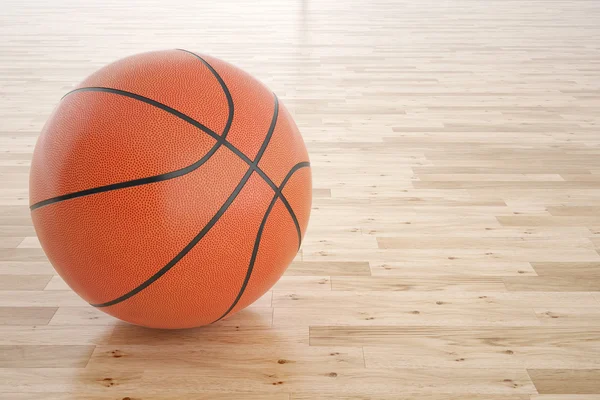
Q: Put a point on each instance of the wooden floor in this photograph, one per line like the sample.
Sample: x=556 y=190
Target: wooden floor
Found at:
x=453 y=250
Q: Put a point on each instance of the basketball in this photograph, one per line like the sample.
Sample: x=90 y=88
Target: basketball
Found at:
x=170 y=189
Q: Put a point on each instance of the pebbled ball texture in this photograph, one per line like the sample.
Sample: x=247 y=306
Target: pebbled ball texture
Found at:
x=170 y=189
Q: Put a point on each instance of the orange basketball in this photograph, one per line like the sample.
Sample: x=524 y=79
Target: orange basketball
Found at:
x=170 y=189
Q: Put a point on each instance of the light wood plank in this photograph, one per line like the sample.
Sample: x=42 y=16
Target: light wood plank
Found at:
x=85 y=316
x=148 y=394
x=484 y=314
x=551 y=284
x=26 y=268
x=430 y=352
x=497 y=169
x=575 y=211
x=492 y=244
x=495 y=336
x=48 y=356
x=13 y=211
x=10 y=242
x=249 y=336
x=321 y=192
x=16 y=231
x=304 y=282
x=409 y=396
x=26 y=315
x=531 y=184
x=24 y=282
x=316 y=268
x=30 y=255
x=31 y=242
x=482 y=177
x=481 y=254
x=522 y=220
x=492 y=230
x=67 y=380
x=57 y=283
x=286 y=357
x=565 y=397
x=350 y=380
x=415 y=300
x=568 y=270
x=566 y=381
x=561 y=316
x=580 y=178
x=54 y=335
x=37 y=298
x=437 y=283
x=452 y=267
x=342 y=240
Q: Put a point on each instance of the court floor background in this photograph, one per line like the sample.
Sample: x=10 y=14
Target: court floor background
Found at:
x=453 y=250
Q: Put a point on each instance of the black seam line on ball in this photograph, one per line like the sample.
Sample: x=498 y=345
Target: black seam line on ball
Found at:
x=207 y=227
x=185 y=250
x=135 y=182
x=154 y=103
x=294 y=218
x=158 y=178
x=259 y=171
x=150 y=179
x=259 y=236
x=223 y=86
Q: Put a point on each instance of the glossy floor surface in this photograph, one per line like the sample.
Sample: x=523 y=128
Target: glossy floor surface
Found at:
x=453 y=250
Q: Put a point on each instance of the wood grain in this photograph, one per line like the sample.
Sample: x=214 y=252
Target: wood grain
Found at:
x=48 y=356
x=552 y=284
x=322 y=283
x=348 y=380
x=451 y=267
x=453 y=250
x=51 y=335
x=565 y=397
x=430 y=352
x=409 y=396
x=497 y=336
x=316 y=268
x=249 y=336
x=568 y=316
x=568 y=270
x=566 y=381
x=26 y=268
x=24 y=282
x=437 y=283
x=514 y=300
x=484 y=314
x=39 y=298
x=85 y=316
x=149 y=395
x=26 y=315
x=214 y=355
